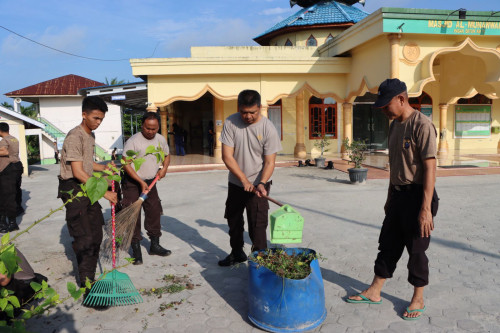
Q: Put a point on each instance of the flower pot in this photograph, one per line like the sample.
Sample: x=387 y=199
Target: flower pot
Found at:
x=358 y=175
x=278 y=304
x=320 y=162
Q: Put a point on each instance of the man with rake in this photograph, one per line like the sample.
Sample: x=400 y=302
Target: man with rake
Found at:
x=249 y=146
x=84 y=219
x=136 y=182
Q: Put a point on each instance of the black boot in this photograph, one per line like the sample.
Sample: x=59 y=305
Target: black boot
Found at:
x=157 y=249
x=4 y=225
x=136 y=253
x=13 y=224
x=235 y=257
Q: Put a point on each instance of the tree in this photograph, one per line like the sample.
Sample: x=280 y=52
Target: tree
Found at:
x=114 y=81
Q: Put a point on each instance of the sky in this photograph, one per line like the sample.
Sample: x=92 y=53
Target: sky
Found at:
x=114 y=31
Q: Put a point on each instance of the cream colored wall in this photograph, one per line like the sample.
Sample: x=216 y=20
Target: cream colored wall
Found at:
x=288 y=118
x=299 y=38
x=16 y=129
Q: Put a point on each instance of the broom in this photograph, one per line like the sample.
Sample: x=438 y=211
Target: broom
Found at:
x=126 y=221
x=115 y=288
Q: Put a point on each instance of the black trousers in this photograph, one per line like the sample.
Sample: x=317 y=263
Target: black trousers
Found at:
x=9 y=182
x=84 y=221
x=401 y=229
x=131 y=190
x=257 y=215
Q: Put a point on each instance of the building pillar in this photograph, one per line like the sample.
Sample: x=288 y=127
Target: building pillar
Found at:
x=163 y=121
x=219 y=120
x=347 y=132
x=300 y=147
x=152 y=107
x=263 y=110
x=394 y=42
x=443 y=143
x=170 y=123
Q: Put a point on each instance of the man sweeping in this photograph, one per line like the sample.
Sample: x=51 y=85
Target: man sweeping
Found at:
x=136 y=182
x=84 y=219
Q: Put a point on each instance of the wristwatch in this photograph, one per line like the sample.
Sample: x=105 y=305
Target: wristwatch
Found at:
x=262 y=183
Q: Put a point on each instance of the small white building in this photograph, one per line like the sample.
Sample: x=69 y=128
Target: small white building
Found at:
x=19 y=127
x=60 y=109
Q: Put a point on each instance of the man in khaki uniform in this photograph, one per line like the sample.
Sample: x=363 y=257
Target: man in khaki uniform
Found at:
x=84 y=219
x=11 y=170
x=411 y=201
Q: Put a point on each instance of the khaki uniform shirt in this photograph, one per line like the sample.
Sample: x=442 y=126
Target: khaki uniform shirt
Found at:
x=12 y=145
x=139 y=143
x=78 y=146
x=410 y=143
x=251 y=142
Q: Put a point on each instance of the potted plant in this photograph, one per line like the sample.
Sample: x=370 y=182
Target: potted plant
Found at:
x=286 y=292
x=356 y=152
x=321 y=144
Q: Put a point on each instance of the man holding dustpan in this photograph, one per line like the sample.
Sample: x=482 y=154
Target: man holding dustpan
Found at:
x=249 y=146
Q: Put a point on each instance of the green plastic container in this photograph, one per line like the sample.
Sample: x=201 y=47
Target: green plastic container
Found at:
x=286 y=226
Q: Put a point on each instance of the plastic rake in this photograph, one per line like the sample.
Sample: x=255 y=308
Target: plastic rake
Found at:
x=113 y=288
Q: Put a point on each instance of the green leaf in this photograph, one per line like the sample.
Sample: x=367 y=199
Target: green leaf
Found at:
x=131 y=260
x=80 y=194
x=14 y=301
x=97 y=174
x=131 y=153
x=116 y=178
x=150 y=150
x=138 y=162
x=73 y=291
x=36 y=286
x=5 y=238
x=27 y=314
x=88 y=284
x=3 y=303
x=9 y=310
x=108 y=172
x=9 y=259
x=122 y=161
x=3 y=323
x=96 y=188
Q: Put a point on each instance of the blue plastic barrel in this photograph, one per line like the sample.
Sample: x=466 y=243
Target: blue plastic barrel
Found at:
x=278 y=304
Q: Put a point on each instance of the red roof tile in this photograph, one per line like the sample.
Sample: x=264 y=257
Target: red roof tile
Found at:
x=64 y=85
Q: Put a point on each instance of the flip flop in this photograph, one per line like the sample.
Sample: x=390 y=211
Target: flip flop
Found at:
x=411 y=311
x=363 y=299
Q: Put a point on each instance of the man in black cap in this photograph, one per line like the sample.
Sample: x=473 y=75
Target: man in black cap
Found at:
x=411 y=200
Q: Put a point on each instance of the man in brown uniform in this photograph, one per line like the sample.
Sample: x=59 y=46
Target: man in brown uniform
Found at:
x=84 y=219
x=11 y=170
x=411 y=201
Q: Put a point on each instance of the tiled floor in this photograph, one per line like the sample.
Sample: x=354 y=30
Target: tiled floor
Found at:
x=477 y=162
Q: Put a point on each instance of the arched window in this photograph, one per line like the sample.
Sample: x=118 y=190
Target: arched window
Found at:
x=311 y=41
x=322 y=117
x=329 y=38
x=288 y=42
x=422 y=103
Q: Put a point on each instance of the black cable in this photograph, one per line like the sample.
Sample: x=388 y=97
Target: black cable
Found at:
x=49 y=47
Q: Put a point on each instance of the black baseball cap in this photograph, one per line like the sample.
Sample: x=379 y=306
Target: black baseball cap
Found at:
x=388 y=90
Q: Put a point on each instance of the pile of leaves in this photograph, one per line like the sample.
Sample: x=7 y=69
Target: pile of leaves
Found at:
x=295 y=266
x=175 y=284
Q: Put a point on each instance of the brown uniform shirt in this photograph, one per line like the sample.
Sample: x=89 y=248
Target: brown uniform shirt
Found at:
x=78 y=146
x=12 y=145
x=410 y=143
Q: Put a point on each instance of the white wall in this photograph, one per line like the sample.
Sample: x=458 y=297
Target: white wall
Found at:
x=66 y=113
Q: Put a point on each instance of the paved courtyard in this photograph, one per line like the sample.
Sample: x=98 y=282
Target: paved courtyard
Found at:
x=342 y=222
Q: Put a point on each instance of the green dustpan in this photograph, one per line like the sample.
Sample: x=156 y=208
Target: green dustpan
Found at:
x=113 y=288
x=286 y=224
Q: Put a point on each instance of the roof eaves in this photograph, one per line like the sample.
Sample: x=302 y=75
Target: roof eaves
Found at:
x=22 y=117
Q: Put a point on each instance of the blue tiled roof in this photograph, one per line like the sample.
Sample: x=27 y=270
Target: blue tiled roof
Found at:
x=328 y=12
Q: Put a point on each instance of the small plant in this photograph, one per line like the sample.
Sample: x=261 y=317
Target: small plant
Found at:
x=175 y=285
x=355 y=151
x=291 y=266
x=322 y=143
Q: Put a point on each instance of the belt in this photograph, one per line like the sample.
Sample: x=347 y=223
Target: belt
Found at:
x=406 y=188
